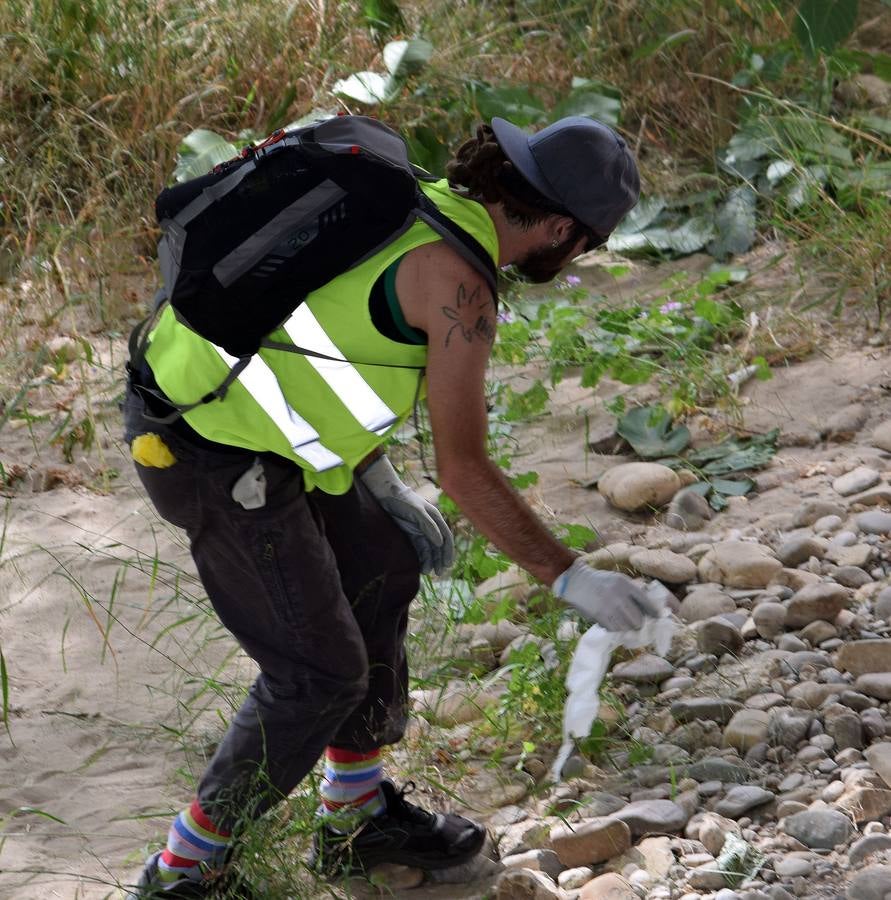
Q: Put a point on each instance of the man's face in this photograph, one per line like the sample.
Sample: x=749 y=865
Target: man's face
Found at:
x=545 y=263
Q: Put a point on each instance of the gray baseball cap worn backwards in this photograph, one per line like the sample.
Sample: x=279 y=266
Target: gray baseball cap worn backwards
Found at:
x=578 y=163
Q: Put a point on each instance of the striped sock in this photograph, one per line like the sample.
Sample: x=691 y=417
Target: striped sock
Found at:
x=349 y=788
x=193 y=845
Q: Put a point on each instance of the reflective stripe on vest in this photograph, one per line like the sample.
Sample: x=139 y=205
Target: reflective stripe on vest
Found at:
x=260 y=382
x=340 y=375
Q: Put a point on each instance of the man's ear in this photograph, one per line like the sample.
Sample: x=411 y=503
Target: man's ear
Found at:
x=560 y=228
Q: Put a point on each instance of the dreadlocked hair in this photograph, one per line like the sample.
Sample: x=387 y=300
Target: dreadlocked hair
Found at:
x=481 y=167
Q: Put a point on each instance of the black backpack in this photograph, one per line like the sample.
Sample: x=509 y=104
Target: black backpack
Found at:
x=242 y=246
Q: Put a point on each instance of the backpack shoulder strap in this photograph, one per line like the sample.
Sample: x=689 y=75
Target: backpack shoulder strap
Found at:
x=464 y=243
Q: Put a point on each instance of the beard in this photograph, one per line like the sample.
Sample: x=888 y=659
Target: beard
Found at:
x=545 y=263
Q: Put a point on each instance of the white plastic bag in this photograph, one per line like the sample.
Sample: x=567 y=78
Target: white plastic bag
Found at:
x=588 y=669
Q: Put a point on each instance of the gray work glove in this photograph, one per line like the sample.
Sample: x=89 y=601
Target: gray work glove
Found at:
x=608 y=599
x=420 y=520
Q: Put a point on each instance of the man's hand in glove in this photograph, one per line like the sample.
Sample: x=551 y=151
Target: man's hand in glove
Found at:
x=420 y=520
x=608 y=599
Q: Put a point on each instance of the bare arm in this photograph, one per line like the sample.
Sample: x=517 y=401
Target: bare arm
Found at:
x=459 y=318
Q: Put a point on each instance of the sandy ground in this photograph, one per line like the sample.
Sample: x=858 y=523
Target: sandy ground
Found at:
x=111 y=653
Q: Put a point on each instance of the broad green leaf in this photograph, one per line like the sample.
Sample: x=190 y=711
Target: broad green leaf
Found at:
x=877 y=63
x=525 y=404
x=687 y=202
x=370 y=88
x=579 y=537
x=585 y=102
x=778 y=170
x=810 y=136
x=593 y=371
x=642 y=215
x=763 y=372
x=693 y=235
x=426 y=150
x=775 y=65
x=736 y=454
x=649 y=431
x=835 y=153
x=729 y=274
x=821 y=25
x=405 y=58
x=602 y=87
x=735 y=223
x=876 y=123
x=653 y=240
x=709 y=310
x=740 y=461
x=806 y=186
x=524 y=480
x=199 y=152
x=870 y=177
x=513 y=103
x=732 y=487
x=633 y=369
x=383 y=16
x=747 y=145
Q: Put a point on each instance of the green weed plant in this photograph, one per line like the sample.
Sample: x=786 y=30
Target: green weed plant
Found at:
x=682 y=342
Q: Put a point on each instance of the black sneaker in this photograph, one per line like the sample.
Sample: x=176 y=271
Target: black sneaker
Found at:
x=404 y=834
x=219 y=883
x=149 y=885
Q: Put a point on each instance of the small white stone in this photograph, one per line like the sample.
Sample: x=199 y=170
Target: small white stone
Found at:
x=575 y=878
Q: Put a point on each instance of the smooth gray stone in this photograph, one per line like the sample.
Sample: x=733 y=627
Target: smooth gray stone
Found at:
x=882 y=606
x=819 y=829
x=874 y=521
x=714 y=709
x=852 y=576
x=600 y=804
x=872 y=843
x=717 y=636
x=788 y=727
x=811 y=510
x=741 y=799
x=798 y=659
x=871 y=883
x=793 y=867
x=875 y=684
x=657 y=816
x=715 y=768
x=800 y=549
x=645 y=669
x=855 y=700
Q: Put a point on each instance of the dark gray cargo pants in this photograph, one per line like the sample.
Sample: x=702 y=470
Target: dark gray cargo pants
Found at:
x=315 y=588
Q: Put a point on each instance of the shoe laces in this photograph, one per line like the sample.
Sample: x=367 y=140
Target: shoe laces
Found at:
x=410 y=811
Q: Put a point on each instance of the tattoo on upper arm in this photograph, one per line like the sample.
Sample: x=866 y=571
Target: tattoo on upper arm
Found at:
x=472 y=315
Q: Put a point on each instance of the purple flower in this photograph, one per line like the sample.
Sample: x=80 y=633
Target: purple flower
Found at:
x=505 y=316
x=671 y=306
x=573 y=280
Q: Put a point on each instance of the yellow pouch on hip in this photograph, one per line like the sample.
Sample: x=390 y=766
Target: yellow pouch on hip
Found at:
x=149 y=450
